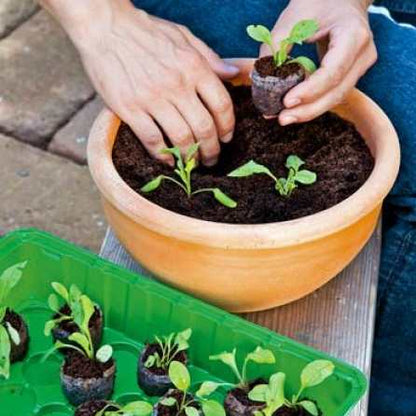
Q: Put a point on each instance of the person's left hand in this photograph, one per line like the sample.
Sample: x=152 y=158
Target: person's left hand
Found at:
x=346 y=43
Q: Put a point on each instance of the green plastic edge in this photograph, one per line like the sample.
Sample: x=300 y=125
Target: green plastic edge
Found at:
x=358 y=381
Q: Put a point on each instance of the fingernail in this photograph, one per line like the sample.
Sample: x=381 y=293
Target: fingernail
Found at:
x=285 y=120
x=292 y=102
x=227 y=137
x=230 y=69
x=211 y=162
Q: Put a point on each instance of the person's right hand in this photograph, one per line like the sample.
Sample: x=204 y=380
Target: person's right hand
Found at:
x=156 y=76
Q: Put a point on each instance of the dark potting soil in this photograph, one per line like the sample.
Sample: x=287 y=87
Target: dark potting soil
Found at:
x=241 y=394
x=71 y=326
x=92 y=407
x=294 y=411
x=266 y=67
x=77 y=365
x=14 y=319
x=162 y=410
x=154 y=347
x=330 y=146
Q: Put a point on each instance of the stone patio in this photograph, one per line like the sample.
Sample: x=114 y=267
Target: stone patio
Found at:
x=47 y=106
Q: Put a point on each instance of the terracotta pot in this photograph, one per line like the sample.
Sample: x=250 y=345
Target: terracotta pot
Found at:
x=248 y=267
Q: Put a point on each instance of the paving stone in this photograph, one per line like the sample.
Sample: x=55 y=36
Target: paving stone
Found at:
x=71 y=140
x=42 y=190
x=42 y=83
x=13 y=12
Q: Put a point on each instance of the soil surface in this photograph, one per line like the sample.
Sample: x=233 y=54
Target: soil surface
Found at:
x=330 y=146
x=162 y=410
x=71 y=326
x=242 y=394
x=92 y=407
x=154 y=347
x=77 y=365
x=293 y=411
x=266 y=67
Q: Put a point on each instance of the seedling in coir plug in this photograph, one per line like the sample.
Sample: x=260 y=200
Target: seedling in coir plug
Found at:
x=137 y=408
x=11 y=342
x=300 y=32
x=184 y=168
x=189 y=404
x=170 y=347
x=81 y=341
x=273 y=395
x=258 y=356
x=284 y=186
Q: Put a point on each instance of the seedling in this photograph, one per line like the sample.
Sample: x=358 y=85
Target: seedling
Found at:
x=284 y=186
x=259 y=356
x=8 y=280
x=183 y=170
x=273 y=393
x=170 y=346
x=181 y=379
x=138 y=408
x=74 y=299
x=300 y=32
x=81 y=341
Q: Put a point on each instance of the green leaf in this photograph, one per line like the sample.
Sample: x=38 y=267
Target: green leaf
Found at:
x=259 y=393
x=212 y=408
x=303 y=30
x=261 y=356
x=49 y=326
x=179 y=375
x=14 y=335
x=191 y=152
x=81 y=340
x=61 y=290
x=307 y=63
x=9 y=279
x=152 y=185
x=294 y=162
x=277 y=390
x=168 y=401
x=175 y=151
x=223 y=198
x=191 y=411
x=5 y=348
x=316 y=372
x=260 y=33
x=104 y=353
x=53 y=302
x=306 y=177
x=138 y=408
x=310 y=407
x=3 y=310
x=182 y=338
x=87 y=312
x=281 y=56
x=207 y=388
x=190 y=165
x=150 y=361
x=250 y=168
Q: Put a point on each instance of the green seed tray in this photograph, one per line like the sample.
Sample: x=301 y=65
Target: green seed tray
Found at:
x=136 y=309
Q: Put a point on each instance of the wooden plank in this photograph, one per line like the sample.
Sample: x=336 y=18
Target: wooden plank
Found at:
x=338 y=318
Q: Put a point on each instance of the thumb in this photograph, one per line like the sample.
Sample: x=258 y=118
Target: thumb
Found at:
x=224 y=70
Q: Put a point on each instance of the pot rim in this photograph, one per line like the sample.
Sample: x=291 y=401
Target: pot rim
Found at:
x=369 y=197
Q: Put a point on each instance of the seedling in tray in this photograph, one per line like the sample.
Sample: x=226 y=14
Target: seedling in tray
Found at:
x=70 y=315
x=237 y=402
x=180 y=402
x=155 y=359
x=273 y=395
x=86 y=374
x=14 y=338
x=284 y=186
x=184 y=168
x=273 y=76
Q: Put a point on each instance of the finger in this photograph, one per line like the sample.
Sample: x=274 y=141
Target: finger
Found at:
x=202 y=125
x=309 y=111
x=216 y=98
x=223 y=69
x=343 y=50
x=149 y=135
x=173 y=124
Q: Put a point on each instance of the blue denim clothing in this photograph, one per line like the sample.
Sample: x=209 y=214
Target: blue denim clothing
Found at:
x=391 y=83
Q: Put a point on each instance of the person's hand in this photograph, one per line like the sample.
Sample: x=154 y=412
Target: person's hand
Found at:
x=345 y=43
x=157 y=76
